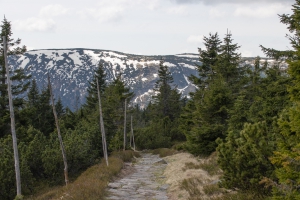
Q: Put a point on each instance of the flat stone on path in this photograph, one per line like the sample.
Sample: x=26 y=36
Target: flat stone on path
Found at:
x=145 y=183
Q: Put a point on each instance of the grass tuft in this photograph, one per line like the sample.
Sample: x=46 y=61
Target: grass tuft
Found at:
x=126 y=156
x=211 y=165
x=163 y=152
x=213 y=189
x=191 y=186
x=238 y=196
x=92 y=183
x=191 y=165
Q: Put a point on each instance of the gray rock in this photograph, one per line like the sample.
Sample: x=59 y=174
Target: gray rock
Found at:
x=164 y=187
x=114 y=185
x=142 y=183
x=214 y=182
x=162 y=161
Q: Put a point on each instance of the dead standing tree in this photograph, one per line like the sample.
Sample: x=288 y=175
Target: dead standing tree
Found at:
x=132 y=135
x=124 y=147
x=12 y=119
x=102 y=126
x=59 y=135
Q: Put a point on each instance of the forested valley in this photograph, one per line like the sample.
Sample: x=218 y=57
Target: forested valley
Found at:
x=248 y=114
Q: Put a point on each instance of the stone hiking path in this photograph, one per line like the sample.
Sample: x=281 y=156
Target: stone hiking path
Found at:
x=145 y=183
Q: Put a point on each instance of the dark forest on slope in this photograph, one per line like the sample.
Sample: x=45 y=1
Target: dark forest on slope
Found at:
x=247 y=113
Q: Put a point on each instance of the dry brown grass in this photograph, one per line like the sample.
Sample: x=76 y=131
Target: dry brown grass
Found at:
x=191 y=186
x=163 y=152
x=126 y=156
x=209 y=164
x=238 y=196
x=91 y=184
x=212 y=190
x=197 y=179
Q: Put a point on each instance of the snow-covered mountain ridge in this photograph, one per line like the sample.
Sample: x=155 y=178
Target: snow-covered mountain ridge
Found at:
x=71 y=69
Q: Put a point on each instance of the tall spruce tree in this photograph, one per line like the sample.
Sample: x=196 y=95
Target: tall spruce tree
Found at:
x=33 y=93
x=252 y=130
x=18 y=77
x=286 y=157
x=113 y=111
x=228 y=64
x=45 y=121
x=167 y=101
x=208 y=58
x=162 y=114
x=213 y=102
x=92 y=99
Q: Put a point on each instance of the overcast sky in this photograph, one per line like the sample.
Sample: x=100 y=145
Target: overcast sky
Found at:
x=148 y=27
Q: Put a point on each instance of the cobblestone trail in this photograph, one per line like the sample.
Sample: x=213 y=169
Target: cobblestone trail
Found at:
x=145 y=183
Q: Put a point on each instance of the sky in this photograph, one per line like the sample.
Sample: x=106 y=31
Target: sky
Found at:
x=147 y=27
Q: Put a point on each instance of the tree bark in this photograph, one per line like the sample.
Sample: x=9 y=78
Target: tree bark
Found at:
x=102 y=125
x=132 y=136
x=130 y=142
x=124 y=145
x=12 y=119
x=59 y=135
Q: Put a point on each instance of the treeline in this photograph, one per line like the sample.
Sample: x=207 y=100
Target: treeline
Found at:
x=41 y=161
x=249 y=114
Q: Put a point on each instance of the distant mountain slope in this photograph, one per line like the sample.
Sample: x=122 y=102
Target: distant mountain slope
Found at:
x=71 y=69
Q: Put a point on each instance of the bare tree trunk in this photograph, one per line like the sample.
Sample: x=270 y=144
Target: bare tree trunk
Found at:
x=102 y=126
x=130 y=132
x=12 y=121
x=59 y=135
x=132 y=135
x=124 y=146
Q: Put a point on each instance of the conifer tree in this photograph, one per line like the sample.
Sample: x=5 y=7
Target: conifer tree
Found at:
x=92 y=98
x=167 y=101
x=18 y=77
x=162 y=114
x=286 y=157
x=208 y=58
x=113 y=111
x=59 y=108
x=45 y=121
x=229 y=59
x=252 y=130
x=33 y=94
x=212 y=103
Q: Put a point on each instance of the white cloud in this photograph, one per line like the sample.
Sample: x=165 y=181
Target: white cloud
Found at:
x=261 y=11
x=231 y=1
x=247 y=53
x=106 y=11
x=195 y=39
x=153 y=4
x=35 y=24
x=214 y=12
x=178 y=10
x=116 y=10
x=104 y=14
x=43 y=22
x=53 y=10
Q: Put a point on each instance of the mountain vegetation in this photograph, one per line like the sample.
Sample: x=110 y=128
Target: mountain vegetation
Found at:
x=248 y=114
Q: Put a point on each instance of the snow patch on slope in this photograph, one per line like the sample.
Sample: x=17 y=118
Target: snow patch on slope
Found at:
x=188 y=55
x=95 y=57
x=187 y=65
x=113 y=54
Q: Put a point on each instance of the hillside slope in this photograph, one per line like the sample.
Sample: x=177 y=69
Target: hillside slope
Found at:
x=71 y=69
